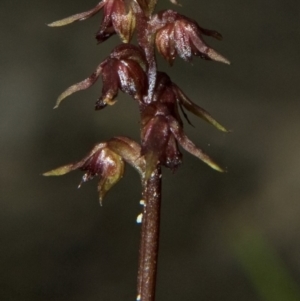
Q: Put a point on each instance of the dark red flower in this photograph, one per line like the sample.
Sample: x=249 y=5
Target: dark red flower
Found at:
x=123 y=70
x=106 y=160
x=162 y=128
x=179 y=35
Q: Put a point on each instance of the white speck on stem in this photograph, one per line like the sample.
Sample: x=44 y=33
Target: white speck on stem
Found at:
x=139 y=218
x=142 y=202
x=138 y=297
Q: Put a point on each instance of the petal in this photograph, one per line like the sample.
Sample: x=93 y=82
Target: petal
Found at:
x=189 y=146
x=133 y=79
x=105 y=32
x=182 y=40
x=110 y=79
x=106 y=29
x=164 y=41
x=79 y=17
x=88 y=82
x=198 y=111
x=173 y=156
x=123 y=23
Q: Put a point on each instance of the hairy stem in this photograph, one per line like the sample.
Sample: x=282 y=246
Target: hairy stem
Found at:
x=149 y=237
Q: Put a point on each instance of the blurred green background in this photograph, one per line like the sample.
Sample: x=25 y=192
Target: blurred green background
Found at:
x=233 y=236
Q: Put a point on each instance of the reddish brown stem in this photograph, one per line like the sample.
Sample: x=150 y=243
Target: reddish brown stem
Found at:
x=149 y=237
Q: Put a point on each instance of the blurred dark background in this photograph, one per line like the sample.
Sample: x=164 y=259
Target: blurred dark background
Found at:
x=233 y=236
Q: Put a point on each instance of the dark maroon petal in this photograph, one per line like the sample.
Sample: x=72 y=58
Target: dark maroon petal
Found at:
x=165 y=43
x=182 y=40
x=100 y=104
x=110 y=80
x=172 y=156
x=133 y=79
x=104 y=33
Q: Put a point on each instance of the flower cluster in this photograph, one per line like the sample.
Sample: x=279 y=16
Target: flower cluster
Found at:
x=132 y=70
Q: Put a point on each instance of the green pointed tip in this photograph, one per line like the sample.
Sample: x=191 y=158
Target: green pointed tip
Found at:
x=58 y=171
x=56 y=105
x=216 y=167
x=215 y=56
x=63 y=22
x=219 y=126
x=62 y=96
